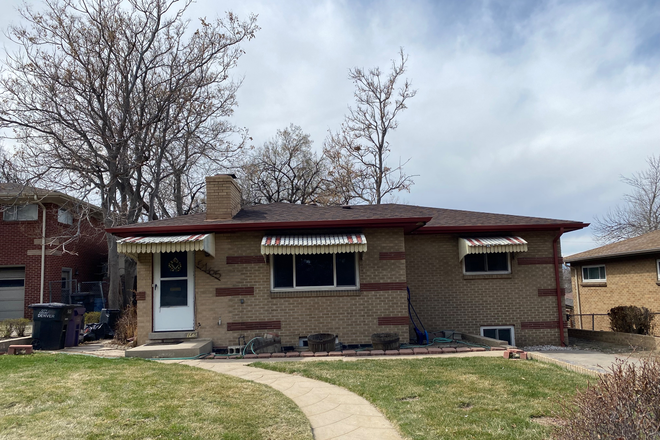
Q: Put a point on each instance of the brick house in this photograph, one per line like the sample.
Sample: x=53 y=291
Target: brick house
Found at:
x=618 y=274
x=73 y=251
x=302 y=269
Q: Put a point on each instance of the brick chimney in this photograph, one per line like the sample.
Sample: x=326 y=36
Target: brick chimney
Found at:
x=223 y=197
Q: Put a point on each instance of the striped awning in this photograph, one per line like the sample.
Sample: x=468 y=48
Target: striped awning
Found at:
x=313 y=244
x=172 y=243
x=488 y=245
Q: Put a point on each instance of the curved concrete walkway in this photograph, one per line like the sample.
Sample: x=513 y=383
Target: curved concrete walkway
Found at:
x=333 y=412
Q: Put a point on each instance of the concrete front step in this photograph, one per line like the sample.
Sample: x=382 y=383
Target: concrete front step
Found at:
x=163 y=350
x=162 y=336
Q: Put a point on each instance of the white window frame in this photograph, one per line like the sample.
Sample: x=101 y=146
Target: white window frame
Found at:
x=498 y=327
x=315 y=288
x=598 y=280
x=12 y=213
x=64 y=216
x=657 y=267
x=490 y=272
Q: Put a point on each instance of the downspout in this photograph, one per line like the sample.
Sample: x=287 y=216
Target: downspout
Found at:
x=43 y=251
x=560 y=310
x=577 y=293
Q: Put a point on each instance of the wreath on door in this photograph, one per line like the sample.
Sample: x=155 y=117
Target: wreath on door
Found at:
x=175 y=265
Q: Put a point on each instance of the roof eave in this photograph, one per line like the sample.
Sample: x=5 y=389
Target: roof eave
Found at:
x=610 y=256
x=55 y=197
x=568 y=227
x=408 y=224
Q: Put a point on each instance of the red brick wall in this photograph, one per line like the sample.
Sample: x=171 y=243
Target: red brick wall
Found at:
x=84 y=255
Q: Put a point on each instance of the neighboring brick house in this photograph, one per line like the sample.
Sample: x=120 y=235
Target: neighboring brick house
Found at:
x=302 y=269
x=618 y=274
x=65 y=259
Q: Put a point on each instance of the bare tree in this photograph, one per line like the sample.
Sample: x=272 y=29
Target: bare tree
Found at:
x=641 y=211
x=120 y=99
x=285 y=169
x=360 y=149
x=8 y=171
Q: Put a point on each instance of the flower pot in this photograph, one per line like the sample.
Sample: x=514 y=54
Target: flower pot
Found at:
x=321 y=342
x=385 y=341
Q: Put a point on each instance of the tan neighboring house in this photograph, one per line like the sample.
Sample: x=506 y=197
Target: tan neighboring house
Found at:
x=302 y=269
x=618 y=274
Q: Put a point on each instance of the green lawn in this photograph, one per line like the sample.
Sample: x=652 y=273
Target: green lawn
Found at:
x=454 y=398
x=44 y=396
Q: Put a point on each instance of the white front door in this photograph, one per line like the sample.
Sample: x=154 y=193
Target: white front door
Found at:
x=174 y=291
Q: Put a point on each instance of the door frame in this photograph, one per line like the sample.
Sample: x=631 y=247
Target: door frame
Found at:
x=68 y=282
x=156 y=310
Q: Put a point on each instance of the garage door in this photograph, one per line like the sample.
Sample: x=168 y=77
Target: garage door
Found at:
x=12 y=292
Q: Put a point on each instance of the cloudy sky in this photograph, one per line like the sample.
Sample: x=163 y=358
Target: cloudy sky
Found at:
x=523 y=107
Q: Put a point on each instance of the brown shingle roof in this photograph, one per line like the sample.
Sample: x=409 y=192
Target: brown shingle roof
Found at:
x=647 y=243
x=285 y=215
x=18 y=190
x=11 y=193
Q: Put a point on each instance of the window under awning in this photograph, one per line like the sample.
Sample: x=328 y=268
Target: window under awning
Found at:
x=172 y=243
x=488 y=245
x=313 y=244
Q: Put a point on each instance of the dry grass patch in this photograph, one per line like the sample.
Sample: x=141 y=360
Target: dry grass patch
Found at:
x=79 y=397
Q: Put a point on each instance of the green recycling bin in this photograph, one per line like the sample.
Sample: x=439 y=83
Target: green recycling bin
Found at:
x=50 y=324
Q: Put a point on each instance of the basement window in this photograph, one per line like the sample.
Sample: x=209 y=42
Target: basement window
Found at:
x=593 y=274
x=501 y=333
x=20 y=213
x=491 y=263
x=314 y=272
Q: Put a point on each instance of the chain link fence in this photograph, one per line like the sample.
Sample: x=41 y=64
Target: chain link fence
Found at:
x=601 y=322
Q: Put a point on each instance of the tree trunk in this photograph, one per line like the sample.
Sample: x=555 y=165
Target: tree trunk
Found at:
x=130 y=271
x=114 y=280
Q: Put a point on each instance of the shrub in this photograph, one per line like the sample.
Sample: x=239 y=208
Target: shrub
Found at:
x=92 y=317
x=6 y=328
x=126 y=327
x=623 y=404
x=631 y=319
x=20 y=325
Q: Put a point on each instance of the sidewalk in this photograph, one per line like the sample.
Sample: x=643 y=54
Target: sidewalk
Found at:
x=588 y=362
x=333 y=412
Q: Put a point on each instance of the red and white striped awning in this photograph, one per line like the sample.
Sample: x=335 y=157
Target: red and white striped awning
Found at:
x=313 y=244
x=488 y=245
x=176 y=243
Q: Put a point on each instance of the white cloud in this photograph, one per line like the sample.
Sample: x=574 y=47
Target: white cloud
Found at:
x=531 y=108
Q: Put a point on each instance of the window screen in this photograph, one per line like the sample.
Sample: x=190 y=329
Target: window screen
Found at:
x=21 y=213
x=317 y=270
x=173 y=293
x=282 y=271
x=314 y=270
x=593 y=273
x=494 y=262
x=346 y=269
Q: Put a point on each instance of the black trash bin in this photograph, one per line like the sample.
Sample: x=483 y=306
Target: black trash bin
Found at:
x=50 y=324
